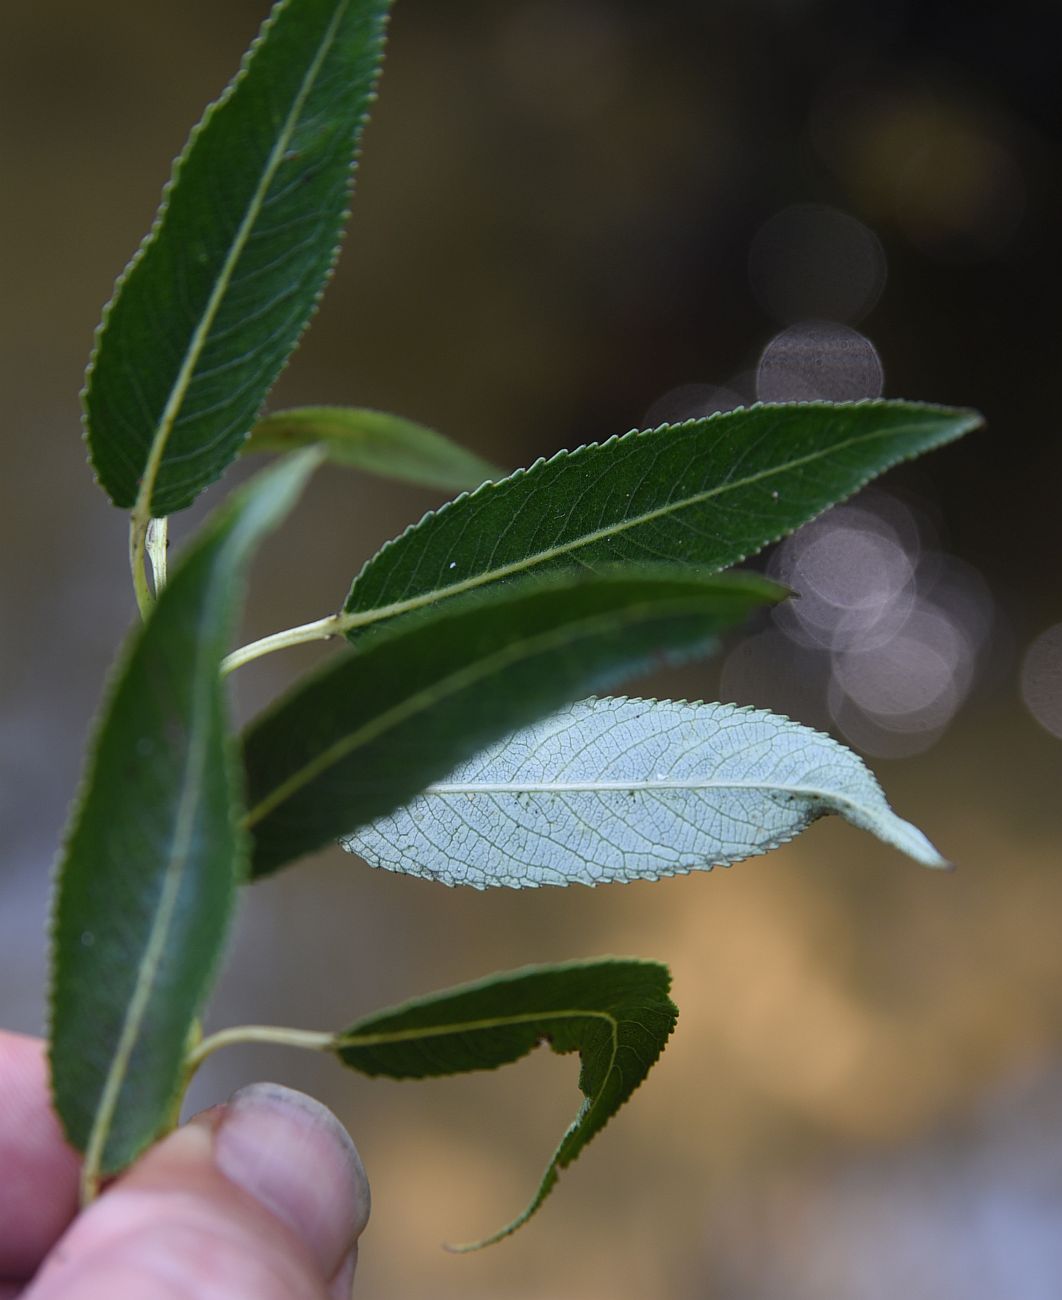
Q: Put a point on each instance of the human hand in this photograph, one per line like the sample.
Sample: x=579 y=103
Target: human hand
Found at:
x=263 y=1198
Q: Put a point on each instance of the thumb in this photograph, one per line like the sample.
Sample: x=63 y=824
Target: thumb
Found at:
x=263 y=1198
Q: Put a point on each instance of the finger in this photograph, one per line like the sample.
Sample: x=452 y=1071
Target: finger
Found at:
x=38 y=1170
x=261 y=1199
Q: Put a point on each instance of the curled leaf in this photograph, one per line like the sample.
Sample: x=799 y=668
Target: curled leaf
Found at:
x=615 y=1013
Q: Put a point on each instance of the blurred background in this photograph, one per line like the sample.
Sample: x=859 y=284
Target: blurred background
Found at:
x=576 y=217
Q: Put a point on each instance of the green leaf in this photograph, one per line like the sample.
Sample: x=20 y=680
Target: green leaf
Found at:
x=212 y=305
x=378 y=724
x=145 y=888
x=619 y=789
x=615 y=1013
x=709 y=492
x=373 y=441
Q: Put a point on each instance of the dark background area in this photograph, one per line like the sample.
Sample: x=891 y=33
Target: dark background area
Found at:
x=575 y=217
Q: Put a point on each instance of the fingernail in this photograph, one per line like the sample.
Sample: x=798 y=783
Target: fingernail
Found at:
x=291 y=1154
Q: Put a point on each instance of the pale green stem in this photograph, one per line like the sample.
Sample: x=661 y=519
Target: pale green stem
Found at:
x=137 y=564
x=339 y=624
x=321 y=629
x=313 y=1040
x=158 y=543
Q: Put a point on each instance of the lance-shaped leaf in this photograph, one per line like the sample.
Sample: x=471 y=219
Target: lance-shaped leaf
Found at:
x=615 y=1013
x=708 y=492
x=210 y=308
x=619 y=789
x=373 y=441
x=380 y=723
x=146 y=884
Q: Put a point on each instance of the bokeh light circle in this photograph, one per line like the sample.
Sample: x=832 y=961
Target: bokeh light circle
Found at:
x=819 y=360
x=1041 y=680
x=893 y=631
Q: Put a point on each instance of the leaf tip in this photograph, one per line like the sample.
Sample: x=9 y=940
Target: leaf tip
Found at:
x=910 y=840
x=464 y=1248
x=470 y=1247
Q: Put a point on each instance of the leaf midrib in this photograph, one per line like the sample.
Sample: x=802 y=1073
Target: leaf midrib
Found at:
x=592 y=787
x=812 y=793
x=179 y=391
x=344 y=1041
x=192 y=783
x=348 y=621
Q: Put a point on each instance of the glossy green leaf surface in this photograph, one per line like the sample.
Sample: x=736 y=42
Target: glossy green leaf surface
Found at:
x=708 y=493
x=615 y=1013
x=213 y=303
x=380 y=723
x=146 y=884
x=373 y=441
x=618 y=789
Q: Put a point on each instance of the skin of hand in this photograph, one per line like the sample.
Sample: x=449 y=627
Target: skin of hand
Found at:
x=263 y=1198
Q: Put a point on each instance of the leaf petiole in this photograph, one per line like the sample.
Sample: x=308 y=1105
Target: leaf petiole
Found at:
x=321 y=629
x=310 y=1039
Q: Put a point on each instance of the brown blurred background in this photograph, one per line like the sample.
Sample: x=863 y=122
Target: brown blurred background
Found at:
x=575 y=217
